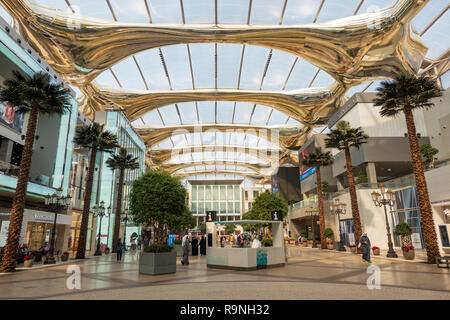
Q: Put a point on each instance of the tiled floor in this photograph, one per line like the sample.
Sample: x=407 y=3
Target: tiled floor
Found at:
x=313 y=274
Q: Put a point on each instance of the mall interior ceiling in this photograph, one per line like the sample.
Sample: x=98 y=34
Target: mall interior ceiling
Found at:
x=235 y=86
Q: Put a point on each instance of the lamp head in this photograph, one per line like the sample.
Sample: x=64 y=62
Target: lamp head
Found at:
x=376 y=196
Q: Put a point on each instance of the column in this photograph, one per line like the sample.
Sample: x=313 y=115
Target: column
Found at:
x=371 y=173
x=6 y=150
x=340 y=185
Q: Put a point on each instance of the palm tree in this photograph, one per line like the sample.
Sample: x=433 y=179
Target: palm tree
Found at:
x=406 y=93
x=92 y=137
x=319 y=159
x=121 y=161
x=35 y=95
x=343 y=138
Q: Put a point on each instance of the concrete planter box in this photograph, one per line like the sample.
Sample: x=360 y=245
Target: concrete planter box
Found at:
x=178 y=249
x=157 y=263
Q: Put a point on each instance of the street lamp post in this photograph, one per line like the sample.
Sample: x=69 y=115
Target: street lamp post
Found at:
x=100 y=212
x=384 y=198
x=125 y=219
x=338 y=208
x=312 y=212
x=56 y=202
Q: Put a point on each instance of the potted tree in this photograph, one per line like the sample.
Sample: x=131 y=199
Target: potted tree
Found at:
x=158 y=200
x=329 y=234
x=28 y=261
x=376 y=251
x=404 y=231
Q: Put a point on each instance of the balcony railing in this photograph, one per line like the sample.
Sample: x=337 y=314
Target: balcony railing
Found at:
x=396 y=183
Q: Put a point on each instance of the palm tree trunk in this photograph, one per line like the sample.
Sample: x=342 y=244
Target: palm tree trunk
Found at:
x=81 y=250
x=323 y=241
x=118 y=210
x=426 y=213
x=9 y=259
x=353 y=197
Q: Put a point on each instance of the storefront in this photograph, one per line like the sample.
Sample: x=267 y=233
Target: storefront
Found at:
x=74 y=233
x=37 y=228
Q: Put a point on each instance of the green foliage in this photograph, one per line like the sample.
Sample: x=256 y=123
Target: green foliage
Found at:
x=158 y=200
x=182 y=222
x=202 y=226
x=428 y=152
x=230 y=228
x=122 y=160
x=303 y=233
x=267 y=242
x=250 y=227
x=158 y=248
x=92 y=136
x=317 y=158
x=406 y=90
x=263 y=206
x=345 y=136
x=403 y=229
x=328 y=232
x=325 y=186
x=24 y=92
x=177 y=241
x=362 y=177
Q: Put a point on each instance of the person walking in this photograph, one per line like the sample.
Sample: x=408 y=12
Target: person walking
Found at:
x=203 y=246
x=185 y=246
x=119 y=249
x=365 y=245
x=194 y=246
x=139 y=243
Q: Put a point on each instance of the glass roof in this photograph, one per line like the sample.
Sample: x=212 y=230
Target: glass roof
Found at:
x=219 y=65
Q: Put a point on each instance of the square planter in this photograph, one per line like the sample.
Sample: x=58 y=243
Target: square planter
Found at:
x=376 y=252
x=157 y=263
x=178 y=249
x=353 y=249
x=330 y=246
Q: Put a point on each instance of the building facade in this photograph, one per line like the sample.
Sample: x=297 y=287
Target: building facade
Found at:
x=52 y=154
x=224 y=197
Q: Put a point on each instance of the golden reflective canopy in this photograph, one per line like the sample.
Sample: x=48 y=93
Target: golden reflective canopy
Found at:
x=352 y=50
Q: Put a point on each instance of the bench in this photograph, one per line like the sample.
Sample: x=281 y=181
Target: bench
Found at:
x=442 y=261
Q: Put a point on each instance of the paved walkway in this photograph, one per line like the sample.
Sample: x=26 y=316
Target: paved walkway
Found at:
x=314 y=274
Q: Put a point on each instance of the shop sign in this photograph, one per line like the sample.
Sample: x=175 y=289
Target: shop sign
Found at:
x=43 y=217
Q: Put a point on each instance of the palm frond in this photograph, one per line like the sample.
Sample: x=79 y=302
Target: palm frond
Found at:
x=25 y=92
x=317 y=158
x=344 y=135
x=122 y=160
x=406 y=90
